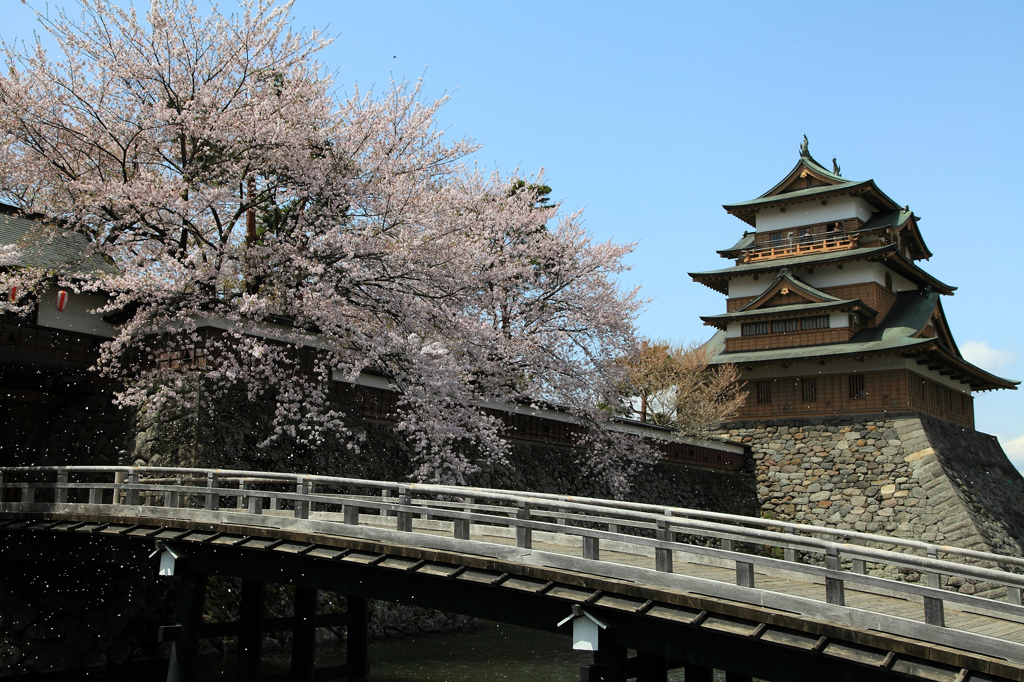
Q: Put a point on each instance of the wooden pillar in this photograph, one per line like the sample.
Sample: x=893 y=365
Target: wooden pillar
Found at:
x=737 y=677
x=358 y=642
x=191 y=599
x=250 y=638
x=304 y=635
x=699 y=673
x=651 y=667
x=610 y=659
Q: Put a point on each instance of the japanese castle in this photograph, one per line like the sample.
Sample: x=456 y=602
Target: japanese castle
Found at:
x=828 y=311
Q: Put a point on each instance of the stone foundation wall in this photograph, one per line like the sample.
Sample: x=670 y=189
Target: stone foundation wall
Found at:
x=910 y=476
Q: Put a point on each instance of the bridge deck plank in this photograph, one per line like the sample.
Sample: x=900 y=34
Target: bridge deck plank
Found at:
x=891 y=605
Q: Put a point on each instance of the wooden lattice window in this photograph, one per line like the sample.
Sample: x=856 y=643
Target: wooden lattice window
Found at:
x=756 y=328
x=784 y=326
x=764 y=392
x=857 y=387
x=808 y=324
x=809 y=388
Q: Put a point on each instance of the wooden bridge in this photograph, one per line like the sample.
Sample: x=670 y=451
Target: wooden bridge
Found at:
x=679 y=587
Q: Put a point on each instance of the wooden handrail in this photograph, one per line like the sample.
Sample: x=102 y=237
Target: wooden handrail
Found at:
x=340 y=502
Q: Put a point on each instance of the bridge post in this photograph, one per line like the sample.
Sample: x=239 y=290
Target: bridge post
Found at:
x=524 y=536
x=131 y=497
x=404 y=522
x=250 y=639
x=60 y=493
x=240 y=498
x=212 y=499
x=610 y=662
x=591 y=548
x=663 y=555
x=350 y=514
x=698 y=673
x=933 y=609
x=301 y=506
x=191 y=599
x=834 y=590
x=651 y=667
x=304 y=635
x=737 y=677
x=357 y=644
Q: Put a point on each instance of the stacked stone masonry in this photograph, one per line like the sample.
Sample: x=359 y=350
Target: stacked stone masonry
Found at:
x=909 y=476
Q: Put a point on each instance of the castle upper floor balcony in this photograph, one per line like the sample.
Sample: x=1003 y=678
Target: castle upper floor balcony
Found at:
x=790 y=245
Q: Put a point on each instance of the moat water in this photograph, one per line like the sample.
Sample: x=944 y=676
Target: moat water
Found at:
x=490 y=653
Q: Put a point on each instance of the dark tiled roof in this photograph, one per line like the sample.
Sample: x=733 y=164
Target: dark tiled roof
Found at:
x=49 y=248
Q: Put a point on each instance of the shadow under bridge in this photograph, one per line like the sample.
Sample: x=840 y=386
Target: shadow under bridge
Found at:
x=679 y=587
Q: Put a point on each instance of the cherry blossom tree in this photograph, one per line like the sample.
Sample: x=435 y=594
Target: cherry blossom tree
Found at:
x=270 y=235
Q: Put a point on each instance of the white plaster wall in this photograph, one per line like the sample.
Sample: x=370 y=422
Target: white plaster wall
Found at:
x=839 y=320
x=855 y=273
x=76 y=316
x=734 y=330
x=934 y=375
x=748 y=286
x=811 y=212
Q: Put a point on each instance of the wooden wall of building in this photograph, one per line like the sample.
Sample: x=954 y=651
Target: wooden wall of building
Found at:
x=873 y=294
x=867 y=393
x=787 y=340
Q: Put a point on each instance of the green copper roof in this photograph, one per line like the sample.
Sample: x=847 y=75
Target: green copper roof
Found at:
x=58 y=250
x=894 y=259
x=895 y=335
x=745 y=242
x=800 y=193
x=773 y=311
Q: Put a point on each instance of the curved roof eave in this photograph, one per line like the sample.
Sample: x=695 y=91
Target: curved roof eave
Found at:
x=746 y=210
x=888 y=252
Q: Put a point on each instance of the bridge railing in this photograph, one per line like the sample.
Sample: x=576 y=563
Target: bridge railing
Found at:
x=599 y=529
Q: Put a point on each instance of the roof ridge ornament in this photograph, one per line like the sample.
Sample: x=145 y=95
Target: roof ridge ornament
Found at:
x=805 y=153
x=835 y=167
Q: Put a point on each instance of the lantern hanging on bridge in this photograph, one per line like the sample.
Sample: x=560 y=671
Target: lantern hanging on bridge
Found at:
x=585 y=629
x=62 y=300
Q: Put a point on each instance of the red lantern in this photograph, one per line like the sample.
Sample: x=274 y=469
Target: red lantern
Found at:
x=62 y=300
x=14 y=294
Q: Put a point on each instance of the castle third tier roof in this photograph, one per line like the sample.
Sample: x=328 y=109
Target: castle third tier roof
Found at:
x=719 y=279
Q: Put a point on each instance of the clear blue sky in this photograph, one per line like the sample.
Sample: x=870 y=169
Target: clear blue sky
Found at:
x=651 y=117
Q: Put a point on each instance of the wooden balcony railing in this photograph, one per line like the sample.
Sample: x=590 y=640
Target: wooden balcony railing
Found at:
x=799 y=247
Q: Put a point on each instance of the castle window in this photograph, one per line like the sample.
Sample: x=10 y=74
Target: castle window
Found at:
x=812 y=323
x=756 y=328
x=764 y=392
x=784 y=326
x=888 y=281
x=809 y=387
x=857 y=387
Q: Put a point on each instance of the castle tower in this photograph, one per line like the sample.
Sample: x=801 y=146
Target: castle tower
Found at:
x=828 y=311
